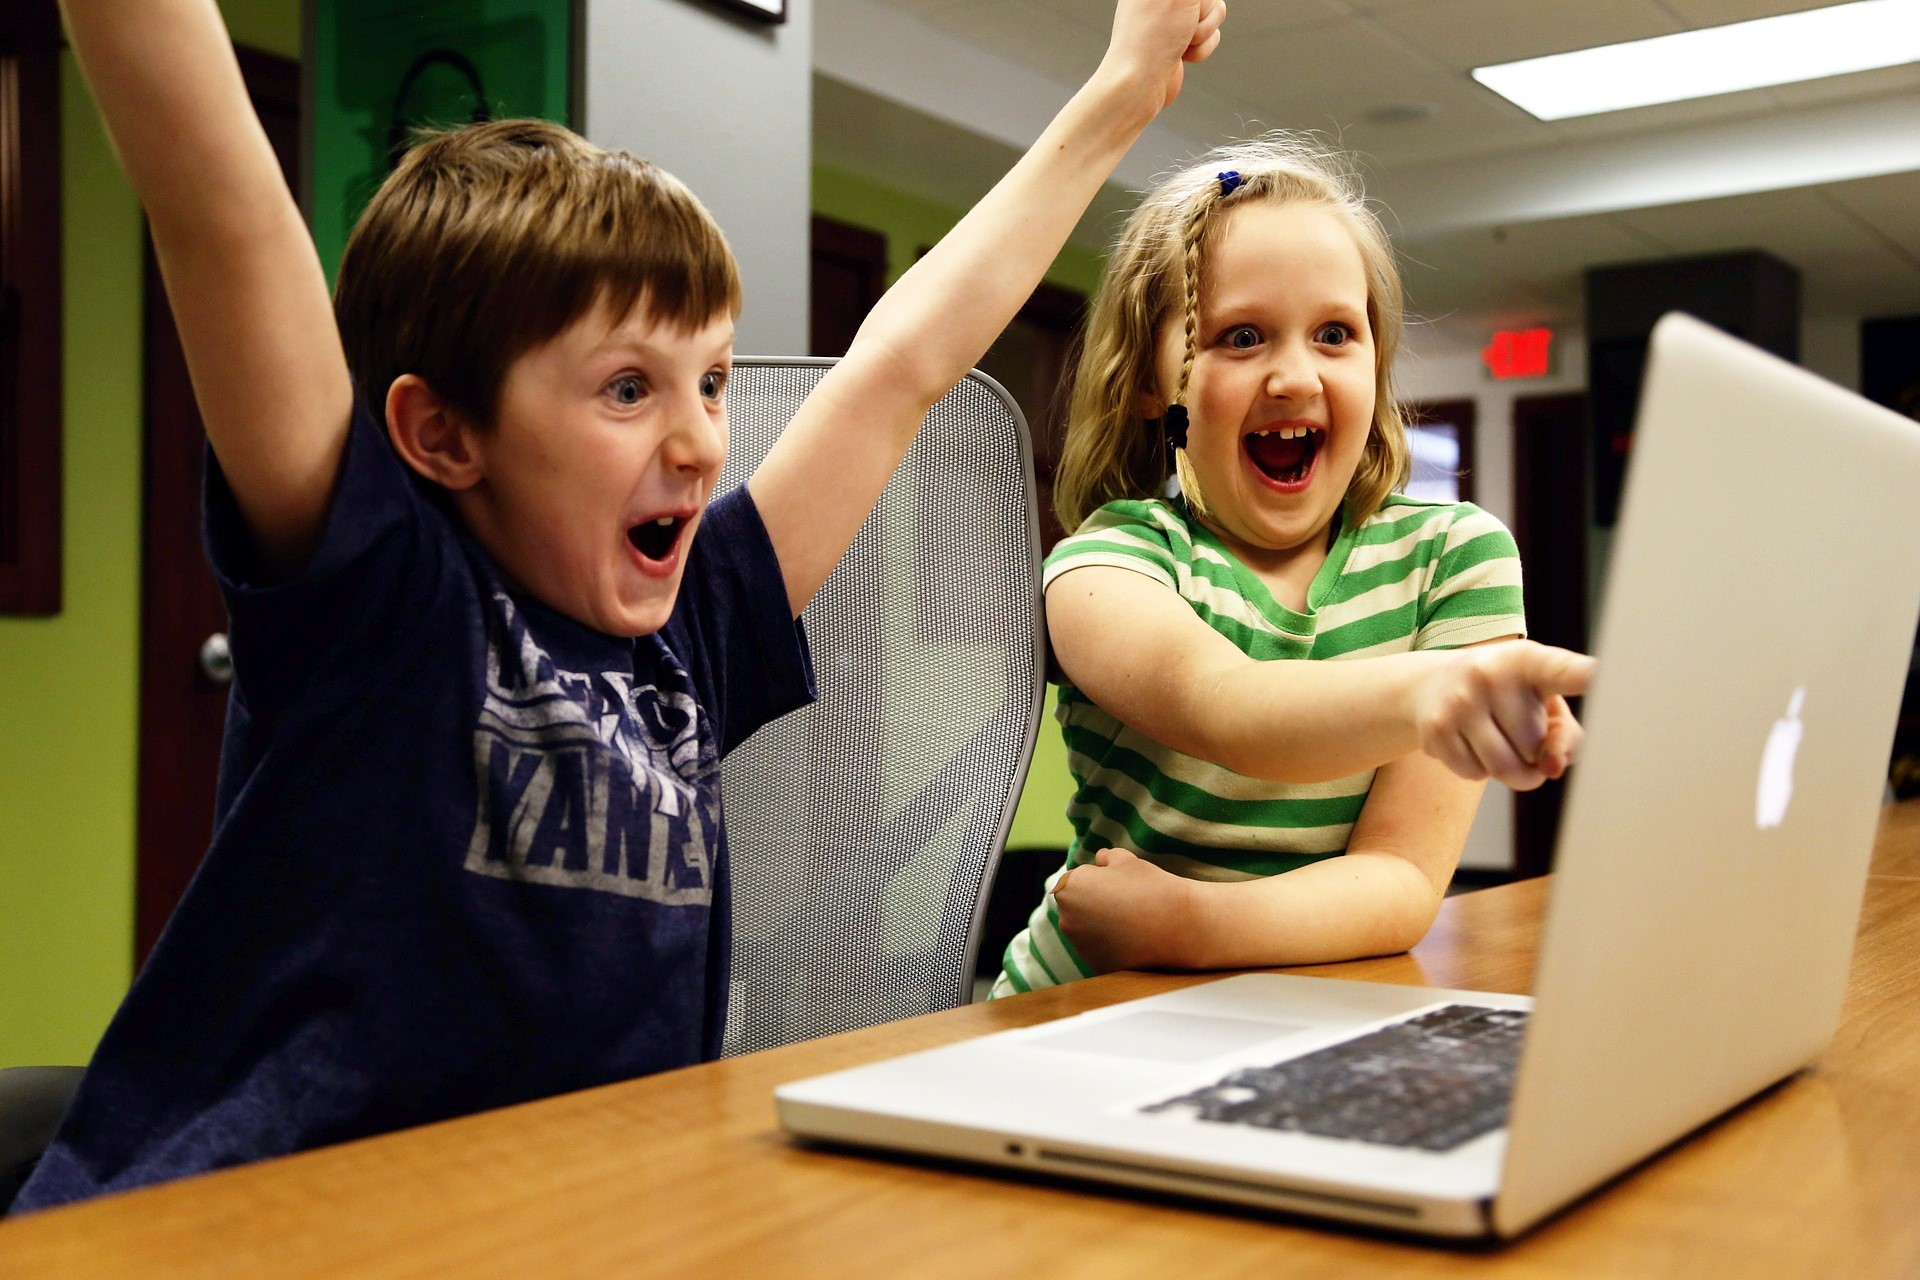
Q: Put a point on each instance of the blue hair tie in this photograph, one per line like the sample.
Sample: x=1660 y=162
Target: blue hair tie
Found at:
x=1229 y=182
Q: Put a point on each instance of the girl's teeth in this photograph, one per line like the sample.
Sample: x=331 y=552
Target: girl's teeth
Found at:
x=664 y=521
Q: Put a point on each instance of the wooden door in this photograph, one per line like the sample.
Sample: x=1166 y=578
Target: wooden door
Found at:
x=847 y=274
x=1032 y=359
x=1550 y=454
x=183 y=700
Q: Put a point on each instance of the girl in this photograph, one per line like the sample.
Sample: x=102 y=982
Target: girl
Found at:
x=1233 y=810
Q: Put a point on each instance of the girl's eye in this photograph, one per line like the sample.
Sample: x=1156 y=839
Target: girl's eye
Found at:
x=1242 y=337
x=712 y=383
x=1334 y=335
x=627 y=390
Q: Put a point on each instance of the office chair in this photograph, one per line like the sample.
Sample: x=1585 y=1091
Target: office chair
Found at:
x=33 y=1101
x=865 y=828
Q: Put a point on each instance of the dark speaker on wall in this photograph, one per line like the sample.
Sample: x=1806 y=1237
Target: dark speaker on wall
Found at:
x=1750 y=294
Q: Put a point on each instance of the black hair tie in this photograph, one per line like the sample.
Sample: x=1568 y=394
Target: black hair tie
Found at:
x=1175 y=425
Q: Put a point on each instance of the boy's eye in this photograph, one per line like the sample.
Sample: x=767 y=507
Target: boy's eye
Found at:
x=712 y=383
x=1242 y=337
x=627 y=390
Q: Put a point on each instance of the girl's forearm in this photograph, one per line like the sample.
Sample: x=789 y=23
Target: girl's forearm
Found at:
x=1312 y=721
x=1359 y=904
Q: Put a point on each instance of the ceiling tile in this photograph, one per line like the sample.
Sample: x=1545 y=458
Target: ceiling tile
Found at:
x=1464 y=34
x=1848 y=88
x=1244 y=17
x=1840 y=237
x=1323 y=77
x=1789 y=224
x=1021 y=32
x=1890 y=205
x=1332 y=64
x=1718 y=13
x=1535 y=264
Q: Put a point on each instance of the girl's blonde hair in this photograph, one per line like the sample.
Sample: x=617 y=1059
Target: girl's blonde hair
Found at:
x=1153 y=276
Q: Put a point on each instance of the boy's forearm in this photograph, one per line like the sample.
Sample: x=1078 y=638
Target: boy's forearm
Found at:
x=248 y=296
x=1358 y=904
x=168 y=86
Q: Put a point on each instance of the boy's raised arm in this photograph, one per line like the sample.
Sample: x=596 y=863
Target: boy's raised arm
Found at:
x=828 y=469
x=242 y=276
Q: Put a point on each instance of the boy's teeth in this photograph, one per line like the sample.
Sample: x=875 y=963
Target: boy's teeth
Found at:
x=664 y=521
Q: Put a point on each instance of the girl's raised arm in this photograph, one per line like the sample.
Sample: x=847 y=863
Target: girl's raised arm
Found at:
x=823 y=477
x=242 y=275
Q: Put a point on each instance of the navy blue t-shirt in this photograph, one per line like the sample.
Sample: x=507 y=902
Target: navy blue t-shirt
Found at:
x=468 y=851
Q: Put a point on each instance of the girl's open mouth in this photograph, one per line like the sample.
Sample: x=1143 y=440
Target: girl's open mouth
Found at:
x=655 y=539
x=1285 y=454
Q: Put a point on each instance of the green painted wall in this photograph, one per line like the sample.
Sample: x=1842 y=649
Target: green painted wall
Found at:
x=910 y=223
x=68 y=684
x=522 y=50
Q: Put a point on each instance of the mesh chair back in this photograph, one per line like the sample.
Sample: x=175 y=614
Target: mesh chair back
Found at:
x=865 y=828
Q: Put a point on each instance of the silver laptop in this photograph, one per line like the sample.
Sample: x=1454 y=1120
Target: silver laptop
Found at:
x=1755 y=637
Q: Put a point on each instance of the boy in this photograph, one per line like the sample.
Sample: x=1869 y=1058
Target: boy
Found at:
x=469 y=847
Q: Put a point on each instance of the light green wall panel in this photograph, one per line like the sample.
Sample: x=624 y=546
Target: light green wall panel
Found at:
x=272 y=25
x=68 y=683
x=1041 y=819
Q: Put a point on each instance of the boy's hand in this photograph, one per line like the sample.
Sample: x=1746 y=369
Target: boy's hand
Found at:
x=1153 y=39
x=1123 y=912
x=1500 y=711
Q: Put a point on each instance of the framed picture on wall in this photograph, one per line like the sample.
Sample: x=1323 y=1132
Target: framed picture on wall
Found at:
x=764 y=10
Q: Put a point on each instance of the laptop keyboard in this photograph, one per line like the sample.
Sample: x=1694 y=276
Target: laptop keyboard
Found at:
x=1431 y=1082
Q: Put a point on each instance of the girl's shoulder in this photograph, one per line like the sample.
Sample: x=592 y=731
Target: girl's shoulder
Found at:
x=1154 y=536
x=1161 y=521
x=1401 y=517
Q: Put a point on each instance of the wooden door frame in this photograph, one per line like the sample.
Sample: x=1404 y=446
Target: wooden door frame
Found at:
x=1557 y=594
x=862 y=252
x=30 y=309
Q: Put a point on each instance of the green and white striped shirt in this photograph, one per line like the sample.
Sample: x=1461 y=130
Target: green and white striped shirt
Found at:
x=1415 y=575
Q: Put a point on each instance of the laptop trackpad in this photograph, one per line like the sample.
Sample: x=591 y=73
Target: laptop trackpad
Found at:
x=1165 y=1037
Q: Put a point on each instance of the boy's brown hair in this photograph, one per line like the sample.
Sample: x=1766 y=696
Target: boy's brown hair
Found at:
x=489 y=240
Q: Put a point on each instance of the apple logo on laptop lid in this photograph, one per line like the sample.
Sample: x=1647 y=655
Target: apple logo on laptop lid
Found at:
x=1775 y=791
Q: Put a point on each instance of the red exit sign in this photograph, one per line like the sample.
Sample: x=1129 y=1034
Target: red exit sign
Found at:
x=1518 y=353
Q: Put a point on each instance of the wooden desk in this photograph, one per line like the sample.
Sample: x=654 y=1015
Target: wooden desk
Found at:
x=687 y=1174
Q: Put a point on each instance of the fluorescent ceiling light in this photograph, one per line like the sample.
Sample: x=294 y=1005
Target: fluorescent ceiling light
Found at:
x=1833 y=41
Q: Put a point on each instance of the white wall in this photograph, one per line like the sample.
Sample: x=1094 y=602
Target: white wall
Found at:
x=724 y=103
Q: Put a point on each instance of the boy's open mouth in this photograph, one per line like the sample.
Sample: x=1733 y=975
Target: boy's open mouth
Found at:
x=655 y=538
x=1285 y=454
